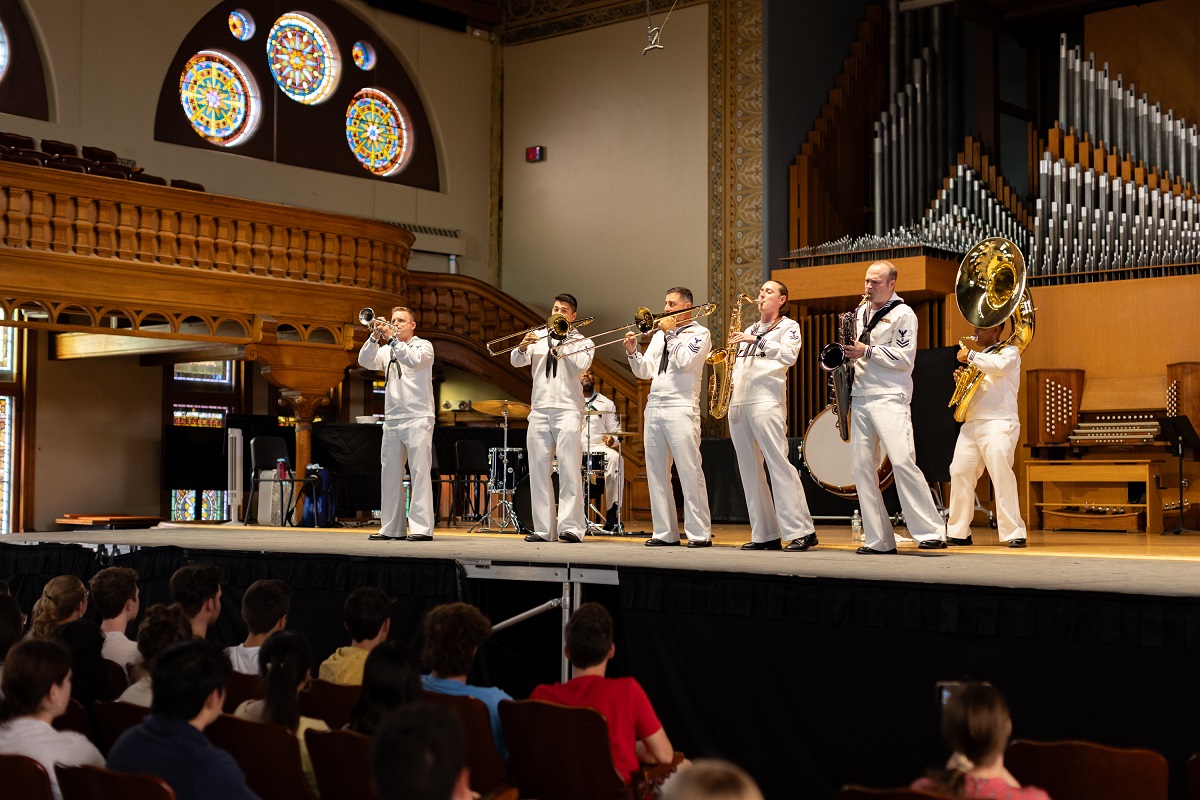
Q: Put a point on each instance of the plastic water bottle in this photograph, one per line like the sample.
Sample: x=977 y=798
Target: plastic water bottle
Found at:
x=856 y=530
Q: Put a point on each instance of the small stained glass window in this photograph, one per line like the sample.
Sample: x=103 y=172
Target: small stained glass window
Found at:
x=194 y=416
x=8 y=353
x=217 y=373
x=377 y=132
x=364 y=56
x=220 y=98
x=303 y=58
x=241 y=25
x=183 y=505
x=7 y=468
x=5 y=51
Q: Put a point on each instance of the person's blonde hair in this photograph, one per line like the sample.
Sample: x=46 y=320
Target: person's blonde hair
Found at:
x=712 y=779
x=60 y=597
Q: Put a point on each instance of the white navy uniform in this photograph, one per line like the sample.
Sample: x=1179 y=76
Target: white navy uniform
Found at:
x=606 y=423
x=671 y=428
x=554 y=422
x=880 y=414
x=758 y=427
x=988 y=439
x=407 y=433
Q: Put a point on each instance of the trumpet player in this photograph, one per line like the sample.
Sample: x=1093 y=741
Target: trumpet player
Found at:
x=555 y=421
x=674 y=363
x=988 y=440
x=763 y=354
x=406 y=361
x=883 y=356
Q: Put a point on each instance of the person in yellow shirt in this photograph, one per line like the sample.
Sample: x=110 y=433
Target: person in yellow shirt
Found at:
x=368 y=618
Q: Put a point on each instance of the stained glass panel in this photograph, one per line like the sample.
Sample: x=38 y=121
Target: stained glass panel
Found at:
x=241 y=24
x=197 y=416
x=207 y=372
x=6 y=463
x=212 y=505
x=303 y=58
x=364 y=56
x=183 y=505
x=220 y=98
x=5 y=52
x=8 y=353
x=377 y=132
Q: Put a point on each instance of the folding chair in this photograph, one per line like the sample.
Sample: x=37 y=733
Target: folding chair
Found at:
x=265 y=453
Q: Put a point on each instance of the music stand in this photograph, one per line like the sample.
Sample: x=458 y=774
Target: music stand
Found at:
x=1178 y=431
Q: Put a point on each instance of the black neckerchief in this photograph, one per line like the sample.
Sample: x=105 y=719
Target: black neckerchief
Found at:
x=553 y=341
x=865 y=336
x=666 y=354
x=758 y=337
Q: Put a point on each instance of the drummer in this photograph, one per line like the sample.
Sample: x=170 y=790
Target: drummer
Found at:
x=555 y=420
x=597 y=440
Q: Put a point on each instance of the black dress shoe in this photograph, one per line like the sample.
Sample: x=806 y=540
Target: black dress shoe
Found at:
x=932 y=544
x=700 y=543
x=420 y=537
x=770 y=544
x=379 y=537
x=1017 y=543
x=866 y=551
x=661 y=543
x=573 y=538
x=533 y=537
x=802 y=543
x=955 y=542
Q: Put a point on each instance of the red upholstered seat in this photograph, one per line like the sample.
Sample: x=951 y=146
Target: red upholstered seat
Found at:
x=488 y=771
x=23 y=777
x=341 y=763
x=331 y=702
x=268 y=754
x=1088 y=771
x=97 y=783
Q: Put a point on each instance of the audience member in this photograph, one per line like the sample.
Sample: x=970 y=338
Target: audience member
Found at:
x=89 y=677
x=37 y=689
x=265 y=608
x=391 y=679
x=162 y=627
x=284 y=664
x=711 y=779
x=115 y=593
x=977 y=727
x=64 y=599
x=197 y=588
x=12 y=628
x=170 y=743
x=420 y=753
x=5 y=589
x=634 y=733
x=453 y=635
x=367 y=616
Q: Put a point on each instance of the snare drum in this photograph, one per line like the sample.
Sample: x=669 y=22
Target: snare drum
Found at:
x=594 y=463
x=829 y=459
x=506 y=468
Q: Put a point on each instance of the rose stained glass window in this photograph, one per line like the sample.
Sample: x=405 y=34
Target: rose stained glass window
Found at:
x=219 y=98
x=5 y=52
x=364 y=56
x=303 y=58
x=241 y=25
x=377 y=131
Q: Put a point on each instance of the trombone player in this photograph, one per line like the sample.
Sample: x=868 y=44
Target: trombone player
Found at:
x=674 y=363
x=555 y=421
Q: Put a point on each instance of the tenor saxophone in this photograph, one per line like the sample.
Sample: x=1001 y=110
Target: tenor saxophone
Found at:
x=833 y=360
x=720 y=385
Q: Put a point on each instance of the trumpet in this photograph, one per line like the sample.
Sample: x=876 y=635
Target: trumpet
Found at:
x=644 y=321
x=367 y=317
x=557 y=326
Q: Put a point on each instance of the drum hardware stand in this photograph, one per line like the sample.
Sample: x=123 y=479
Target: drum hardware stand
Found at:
x=503 y=511
x=619 y=529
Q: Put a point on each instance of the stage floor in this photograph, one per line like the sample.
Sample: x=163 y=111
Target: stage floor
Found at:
x=1063 y=560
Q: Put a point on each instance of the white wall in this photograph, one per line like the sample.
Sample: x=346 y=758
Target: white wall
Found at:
x=106 y=61
x=617 y=213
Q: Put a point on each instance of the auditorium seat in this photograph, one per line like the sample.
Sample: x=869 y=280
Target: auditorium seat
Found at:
x=109 y=171
x=22 y=776
x=240 y=688
x=341 y=762
x=65 y=167
x=331 y=702
x=57 y=148
x=268 y=754
x=98 y=154
x=488 y=772
x=17 y=141
x=179 y=183
x=864 y=793
x=98 y=783
x=14 y=157
x=78 y=161
x=42 y=158
x=74 y=719
x=145 y=177
x=116 y=677
x=1077 y=770
x=113 y=719
x=561 y=753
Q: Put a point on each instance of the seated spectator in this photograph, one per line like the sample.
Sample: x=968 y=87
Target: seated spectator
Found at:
x=453 y=635
x=12 y=628
x=197 y=588
x=420 y=753
x=64 y=599
x=711 y=779
x=265 y=608
x=391 y=679
x=367 y=616
x=89 y=677
x=635 y=736
x=115 y=593
x=37 y=689
x=284 y=664
x=977 y=727
x=162 y=628
x=170 y=743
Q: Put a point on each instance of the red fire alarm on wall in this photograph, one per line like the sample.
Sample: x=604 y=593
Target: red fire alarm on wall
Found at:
x=536 y=153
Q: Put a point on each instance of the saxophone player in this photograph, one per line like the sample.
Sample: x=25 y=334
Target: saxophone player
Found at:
x=763 y=353
x=988 y=440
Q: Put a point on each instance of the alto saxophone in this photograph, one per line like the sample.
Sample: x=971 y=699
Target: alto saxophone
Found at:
x=720 y=385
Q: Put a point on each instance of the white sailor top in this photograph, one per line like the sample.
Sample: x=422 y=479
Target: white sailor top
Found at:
x=408 y=371
x=760 y=369
x=556 y=385
x=679 y=383
x=996 y=397
x=887 y=367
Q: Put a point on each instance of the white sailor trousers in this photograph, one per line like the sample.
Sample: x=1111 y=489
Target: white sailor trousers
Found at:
x=887 y=419
x=986 y=444
x=406 y=440
x=759 y=434
x=673 y=435
x=555 y=431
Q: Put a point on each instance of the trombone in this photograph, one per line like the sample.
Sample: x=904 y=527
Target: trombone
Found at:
x=643 y=322
x=556 y=325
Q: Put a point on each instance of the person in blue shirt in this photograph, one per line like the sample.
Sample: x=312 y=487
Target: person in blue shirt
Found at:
x=189 y=691
x=453 y=635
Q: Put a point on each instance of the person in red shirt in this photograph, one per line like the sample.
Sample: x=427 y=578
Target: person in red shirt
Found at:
x=635 y=736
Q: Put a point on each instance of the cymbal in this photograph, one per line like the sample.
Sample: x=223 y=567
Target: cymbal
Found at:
x=498 y=408
x=596 y=413
x=621 y=434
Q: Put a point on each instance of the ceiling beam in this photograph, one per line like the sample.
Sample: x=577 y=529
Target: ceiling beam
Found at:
x=68 y=346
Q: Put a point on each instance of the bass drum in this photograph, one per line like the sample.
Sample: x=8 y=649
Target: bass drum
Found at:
x=523 y=503
x=828 y=458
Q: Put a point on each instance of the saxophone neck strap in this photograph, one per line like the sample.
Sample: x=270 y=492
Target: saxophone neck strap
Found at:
x=865 y=336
